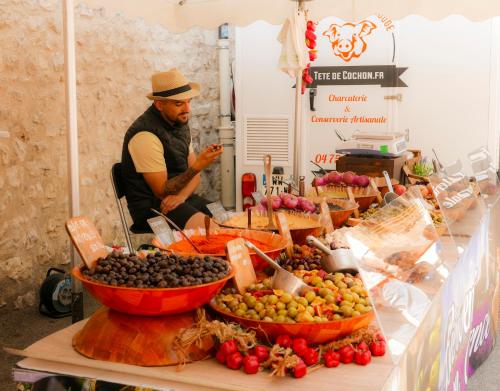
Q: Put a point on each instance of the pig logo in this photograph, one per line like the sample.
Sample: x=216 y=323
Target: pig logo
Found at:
x=347 y=39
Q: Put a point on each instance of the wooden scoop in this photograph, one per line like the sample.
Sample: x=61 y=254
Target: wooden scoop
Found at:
x=178 y=229
x=207 y=227
x=267 y=169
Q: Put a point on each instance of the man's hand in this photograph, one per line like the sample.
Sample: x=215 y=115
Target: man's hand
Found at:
x=171 y=202
x=207 y=156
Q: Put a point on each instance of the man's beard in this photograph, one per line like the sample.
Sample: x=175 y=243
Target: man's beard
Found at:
x=178 y=122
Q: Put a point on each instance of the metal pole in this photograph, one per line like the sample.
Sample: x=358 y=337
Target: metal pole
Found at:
x=297 y=133
x=72 y=142
x=226 y=130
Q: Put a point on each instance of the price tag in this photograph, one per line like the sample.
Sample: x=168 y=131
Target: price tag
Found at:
x=238 y=256
x=86 y=240
x=218 y=212
x=257 y=196
x=162 y=230
x=326 y=217
x=284 y=231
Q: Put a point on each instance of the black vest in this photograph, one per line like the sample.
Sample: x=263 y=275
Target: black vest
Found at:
x=175 y=140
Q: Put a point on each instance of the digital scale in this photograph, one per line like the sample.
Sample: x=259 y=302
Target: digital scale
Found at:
x=385 y=144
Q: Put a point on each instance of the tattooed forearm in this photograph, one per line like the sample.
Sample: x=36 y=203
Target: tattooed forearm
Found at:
x=176 y=184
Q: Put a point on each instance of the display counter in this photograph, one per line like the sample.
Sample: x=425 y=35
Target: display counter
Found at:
x=446 y=347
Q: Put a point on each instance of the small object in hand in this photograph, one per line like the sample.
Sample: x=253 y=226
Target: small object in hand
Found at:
x=216 y=147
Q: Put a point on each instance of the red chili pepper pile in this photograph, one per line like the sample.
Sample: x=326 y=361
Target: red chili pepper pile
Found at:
x=311 y=44
x=294 y=355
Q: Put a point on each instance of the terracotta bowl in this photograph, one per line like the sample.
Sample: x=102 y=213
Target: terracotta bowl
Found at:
x=274 y=240
x=364 y=196
x=314 y=333
x=298 y=234
x=152 y=301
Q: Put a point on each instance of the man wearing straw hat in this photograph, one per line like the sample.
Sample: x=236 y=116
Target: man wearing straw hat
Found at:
x=159 y=167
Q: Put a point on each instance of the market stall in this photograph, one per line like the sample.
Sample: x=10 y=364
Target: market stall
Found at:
x=379 y=291
x=426 y=297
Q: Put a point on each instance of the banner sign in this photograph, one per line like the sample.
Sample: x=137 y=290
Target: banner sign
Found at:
x=467 y=332
x=382 y=75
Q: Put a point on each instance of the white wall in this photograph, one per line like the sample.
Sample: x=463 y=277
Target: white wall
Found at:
x=450 y=103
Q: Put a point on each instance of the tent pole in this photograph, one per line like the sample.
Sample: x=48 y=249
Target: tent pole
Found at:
x=72 y=143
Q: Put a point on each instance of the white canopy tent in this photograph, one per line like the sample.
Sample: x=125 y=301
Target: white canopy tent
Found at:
x=180 y=15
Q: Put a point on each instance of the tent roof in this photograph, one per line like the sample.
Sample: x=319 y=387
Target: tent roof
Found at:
x=180 y=15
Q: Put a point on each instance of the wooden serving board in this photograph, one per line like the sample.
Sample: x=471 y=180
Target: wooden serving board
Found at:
x=239 y=257
x=86 y=240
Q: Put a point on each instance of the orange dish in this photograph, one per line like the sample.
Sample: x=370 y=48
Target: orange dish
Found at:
x=216 y=245
x=152 y=301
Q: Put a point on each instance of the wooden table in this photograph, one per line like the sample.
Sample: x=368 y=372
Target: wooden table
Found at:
x=55 y=354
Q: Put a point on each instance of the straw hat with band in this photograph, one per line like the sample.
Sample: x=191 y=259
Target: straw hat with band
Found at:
x=172 y=85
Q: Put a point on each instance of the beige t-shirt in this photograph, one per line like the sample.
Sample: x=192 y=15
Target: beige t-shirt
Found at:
x=146 y=150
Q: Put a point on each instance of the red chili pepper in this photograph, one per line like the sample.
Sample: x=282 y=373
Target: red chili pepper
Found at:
x=377 y=348
x=312 y=55
x=346 y=354
x=220 y=356
x=310 y=356
x=321 y=273
x=311 y=25
x=300 y=370
x=363 y=357
x=229 y=347
x=234 y=360
x=251 y=365
x=331 y=359
x=261 y=352
x=299 y=346
x=310 y=35
x=362 y=346
x=284 y=341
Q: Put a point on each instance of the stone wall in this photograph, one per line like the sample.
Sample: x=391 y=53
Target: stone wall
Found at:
x=115 y=58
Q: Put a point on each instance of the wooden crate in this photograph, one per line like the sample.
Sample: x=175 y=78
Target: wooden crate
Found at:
x=372 y=166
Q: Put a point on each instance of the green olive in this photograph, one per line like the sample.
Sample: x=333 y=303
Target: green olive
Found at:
x=348 y=297
x=243 y=307
x=272 y=299
x=310 y=296
x=286 y=298
x=303 y=301
x=323 y=292
x=279 y=319
x=258 y=306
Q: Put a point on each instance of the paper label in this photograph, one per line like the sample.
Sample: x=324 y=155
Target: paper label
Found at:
x=218 y=212
x=162 y=230
x=326 y=217
x=285 y=232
